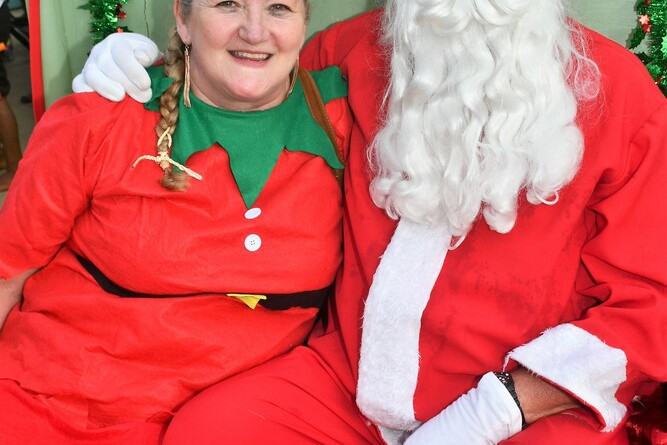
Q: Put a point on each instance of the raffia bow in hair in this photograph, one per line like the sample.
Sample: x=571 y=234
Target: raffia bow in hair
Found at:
x=163 y=159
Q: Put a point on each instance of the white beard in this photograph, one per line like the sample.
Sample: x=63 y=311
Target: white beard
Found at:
x=482 y=105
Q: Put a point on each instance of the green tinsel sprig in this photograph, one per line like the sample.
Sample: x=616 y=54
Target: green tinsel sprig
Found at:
x=652 y=25
x=105 y=15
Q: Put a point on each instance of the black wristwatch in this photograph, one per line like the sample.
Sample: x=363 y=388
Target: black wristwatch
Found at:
x=507 y=380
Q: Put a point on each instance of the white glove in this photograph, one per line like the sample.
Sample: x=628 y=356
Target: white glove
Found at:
x=116 y=66
x=484 y=415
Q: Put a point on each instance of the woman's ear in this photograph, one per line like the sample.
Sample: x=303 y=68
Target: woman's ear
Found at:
x=305 y=35
x=181 y=26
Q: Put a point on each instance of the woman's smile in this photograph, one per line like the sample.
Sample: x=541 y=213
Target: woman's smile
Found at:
x=245 y=55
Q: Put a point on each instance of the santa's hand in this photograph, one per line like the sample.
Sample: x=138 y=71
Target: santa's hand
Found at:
x=484 y=415
x=116 y=66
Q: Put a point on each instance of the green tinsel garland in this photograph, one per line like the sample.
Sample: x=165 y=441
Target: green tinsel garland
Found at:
x=105 y=15
x=652 y=23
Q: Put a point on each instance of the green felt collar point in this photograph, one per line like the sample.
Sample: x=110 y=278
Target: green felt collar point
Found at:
x=253 y=140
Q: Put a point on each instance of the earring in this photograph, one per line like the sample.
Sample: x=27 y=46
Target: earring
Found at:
x=186 y=81
x=295 y=73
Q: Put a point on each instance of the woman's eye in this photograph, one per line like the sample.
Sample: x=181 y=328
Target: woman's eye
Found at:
x=279 y=8
x=228 y=5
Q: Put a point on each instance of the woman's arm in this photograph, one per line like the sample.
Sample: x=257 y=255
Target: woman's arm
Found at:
x=53 y=186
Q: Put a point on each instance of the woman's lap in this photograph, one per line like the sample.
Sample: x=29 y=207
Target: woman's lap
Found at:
x=293 y=399
x=29 y=419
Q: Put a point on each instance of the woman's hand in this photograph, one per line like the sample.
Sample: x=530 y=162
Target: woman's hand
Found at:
x=10 y=293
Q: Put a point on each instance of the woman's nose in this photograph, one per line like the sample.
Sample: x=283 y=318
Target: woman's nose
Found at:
x=253 y=29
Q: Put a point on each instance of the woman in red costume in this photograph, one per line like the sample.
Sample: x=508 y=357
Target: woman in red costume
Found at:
x=520 y=299
x=175 y=244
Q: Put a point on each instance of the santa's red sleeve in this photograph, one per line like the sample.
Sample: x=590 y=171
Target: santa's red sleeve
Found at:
x=622 y=337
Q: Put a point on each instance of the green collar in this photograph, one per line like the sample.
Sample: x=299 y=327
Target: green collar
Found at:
x=252 y=139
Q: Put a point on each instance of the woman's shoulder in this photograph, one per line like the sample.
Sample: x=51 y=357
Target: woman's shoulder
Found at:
x=82 y=105
x=330 y=82
x=82 y=123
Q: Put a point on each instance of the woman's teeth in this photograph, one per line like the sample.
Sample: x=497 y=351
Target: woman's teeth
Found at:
x=250 y=56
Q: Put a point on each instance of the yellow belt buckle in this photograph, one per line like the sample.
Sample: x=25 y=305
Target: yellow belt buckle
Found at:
x=250 y=300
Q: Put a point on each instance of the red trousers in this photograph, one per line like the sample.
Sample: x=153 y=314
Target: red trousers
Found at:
x=295 y=399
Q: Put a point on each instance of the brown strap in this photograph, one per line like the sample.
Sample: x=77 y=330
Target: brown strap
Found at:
x=314 y=100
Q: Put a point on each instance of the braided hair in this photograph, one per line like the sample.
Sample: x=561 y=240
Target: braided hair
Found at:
x=174 y=67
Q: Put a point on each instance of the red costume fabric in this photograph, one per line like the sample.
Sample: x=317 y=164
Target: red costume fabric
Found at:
x=80 y=365
x=575 y=292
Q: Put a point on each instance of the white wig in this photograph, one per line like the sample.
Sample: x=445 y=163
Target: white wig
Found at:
x=481 y=105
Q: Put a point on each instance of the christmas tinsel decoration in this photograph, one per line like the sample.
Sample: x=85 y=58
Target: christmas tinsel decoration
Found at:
x=105 y=15
x=652 y=25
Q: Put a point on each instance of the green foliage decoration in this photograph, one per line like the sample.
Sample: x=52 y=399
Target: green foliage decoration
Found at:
x=652 y=27
x=105 y=15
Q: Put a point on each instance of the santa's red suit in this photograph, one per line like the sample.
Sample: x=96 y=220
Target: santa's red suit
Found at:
x=575 y=292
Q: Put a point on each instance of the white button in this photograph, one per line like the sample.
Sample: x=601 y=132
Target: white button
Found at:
x=253 y=243
x=253 y=213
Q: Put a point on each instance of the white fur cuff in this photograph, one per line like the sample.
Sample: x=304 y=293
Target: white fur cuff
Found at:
x=580 y=363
